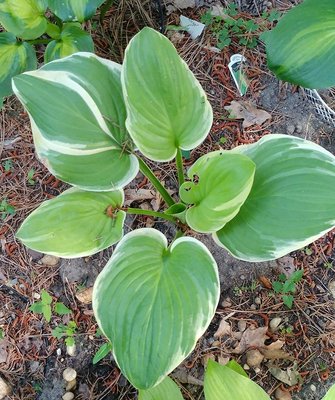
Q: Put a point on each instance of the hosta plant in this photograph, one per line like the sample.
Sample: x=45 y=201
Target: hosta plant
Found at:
x=93 y=122
x=301 y=48
x=56 y=23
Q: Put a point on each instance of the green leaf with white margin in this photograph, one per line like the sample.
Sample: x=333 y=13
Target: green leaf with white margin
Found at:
x=80 y=135
x=224 y=383
x=219 y=184
x=15 y=58
x=74 y=10
x=330 y=395
x=74 y=224
x=72 y=40
x=301 y=48
x=24 y=18
x=166 y=390
x=167 y=108
x=153 y=302
x=291 y=203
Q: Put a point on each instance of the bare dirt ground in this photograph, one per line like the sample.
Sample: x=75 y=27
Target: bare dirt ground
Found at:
x=302 y=344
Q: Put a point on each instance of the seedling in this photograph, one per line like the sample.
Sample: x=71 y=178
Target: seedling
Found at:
x=8 y=165
x=103 y=351
x=44 y=306
x=286 y=286
x=6 y=209
x=68 y=331
x=231 y=28
x=2 y=334
x=30 y=176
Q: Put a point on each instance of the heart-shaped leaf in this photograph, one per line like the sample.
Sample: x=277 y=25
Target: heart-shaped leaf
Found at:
x=301 y=48
x=24 y=18
x=74 y=10
x=166 y=390
x=153 y=302
x=15 y=58
x=224 y=382
x=220 y=183
x=74 y=224
x=81 y=134
x=167 y=108
x=72 y=40
x=291 y=203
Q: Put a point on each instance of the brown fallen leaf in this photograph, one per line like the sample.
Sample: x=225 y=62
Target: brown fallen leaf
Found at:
x=223 y=329
x=250 y=114
x=132 y=195
x=274 y=351
x=265 y=282
x=251 y=338
x=290 y=376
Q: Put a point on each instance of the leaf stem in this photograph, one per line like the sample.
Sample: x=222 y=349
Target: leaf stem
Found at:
x=145 y=169
x=180 y=167
x=139 y=211
x=39 y=41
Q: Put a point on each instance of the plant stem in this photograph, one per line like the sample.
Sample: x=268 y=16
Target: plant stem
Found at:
x=39 y=41
x=180 y=167
x=178 y=234
x=139 y=211
x=145 y=169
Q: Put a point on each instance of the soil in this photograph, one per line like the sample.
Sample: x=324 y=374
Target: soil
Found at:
x=32 y=360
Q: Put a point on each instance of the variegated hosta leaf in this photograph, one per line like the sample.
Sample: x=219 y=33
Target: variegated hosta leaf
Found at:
x=330 y=394
x=167 y=108
x=78 y=119
x=301 y=48
x=166 y=390
x=291 y=203
x=74 y=10
x=15 y=57
x=72 y=39
x=24 y=18
x=224 y=382
x=153 y=302
x=74 y=224
x=220 y=183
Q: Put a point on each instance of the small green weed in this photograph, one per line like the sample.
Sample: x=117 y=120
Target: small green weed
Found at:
x=287 y=330
x=2 y=334
x=230 y=27
x=8 y=165
x=286 y=286
x=30 y=176
x=6 y=209
x=102 y=352
x=44 y=307
x=68 y=331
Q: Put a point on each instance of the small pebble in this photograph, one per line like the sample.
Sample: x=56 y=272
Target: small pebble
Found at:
x=36 y=296
x=246 y=367
x=258 y=300
x=274 y=323
x=68 y=396
x=71 y=385
x=313 y=388
x=85 y=296
x=257 y=370
x=242 y=277
x=253 y=307
x=49 y=260
x=71 y=350
x=290 y=129
x=242 y=325
x=254 y=358
x=226 y=303
x=69 y=374
x=59 y=352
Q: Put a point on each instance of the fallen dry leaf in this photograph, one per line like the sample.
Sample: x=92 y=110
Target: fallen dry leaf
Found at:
x=290 y=376
x=265 y=282
x=132 y=195
x=251 y=338
x=274 y=351
x=223 y=329
x=250 y=114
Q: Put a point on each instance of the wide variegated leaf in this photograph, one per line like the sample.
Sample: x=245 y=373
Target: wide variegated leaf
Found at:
x=291 y=203
x=153 y=302
x=166 y=390
x=24 y=18
x=167 y=108
x=301 y=48
x=219 y=184
x=74 y=10
x=15 y=58
x=74 y=224
x=330 y=394
x=80 y=134
x=72 y=40
x=225 y=383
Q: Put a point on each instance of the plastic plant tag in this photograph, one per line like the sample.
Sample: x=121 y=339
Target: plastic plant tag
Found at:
x=194 y=28
x=235 y=68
